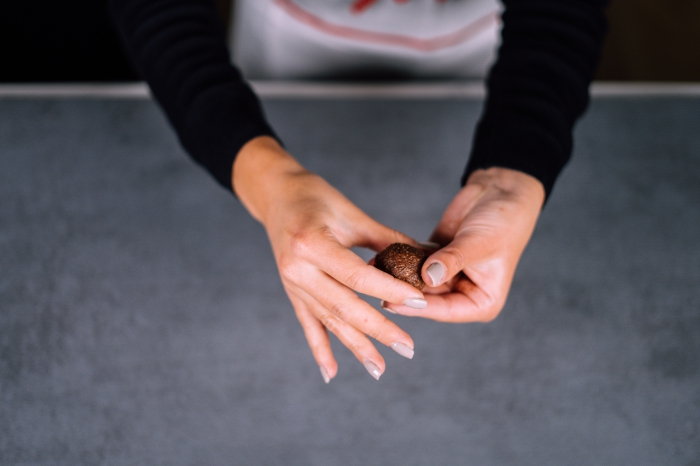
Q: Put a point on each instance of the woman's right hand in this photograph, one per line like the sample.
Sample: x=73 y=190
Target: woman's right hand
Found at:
x=311 y=227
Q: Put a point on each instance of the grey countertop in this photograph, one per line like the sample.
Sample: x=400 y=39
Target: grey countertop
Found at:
x=142 y=320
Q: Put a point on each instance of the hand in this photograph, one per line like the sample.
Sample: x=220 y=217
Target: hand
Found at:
x=484 y=231
x=311 y=227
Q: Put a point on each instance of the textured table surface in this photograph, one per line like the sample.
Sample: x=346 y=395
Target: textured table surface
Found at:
x=142 y=320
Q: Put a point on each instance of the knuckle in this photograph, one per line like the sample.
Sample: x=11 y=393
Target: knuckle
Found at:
x=451 y=257
x=356 y=280
x=302 y=242
x=289 y=269
x=381 y=329
x=318 y=348
x=398 y=291
x=377 y=332
x=330 y=322
x=355 y=348
x=339 y=310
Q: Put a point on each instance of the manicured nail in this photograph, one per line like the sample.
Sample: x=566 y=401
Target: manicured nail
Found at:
x=429 y=244
x=436 y=273
x=384 y=306
x=416 y=303
x=324 y=374
x=372 y=369
x=403 y=350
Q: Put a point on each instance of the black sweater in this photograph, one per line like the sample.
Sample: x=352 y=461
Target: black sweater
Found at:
x=537 y=88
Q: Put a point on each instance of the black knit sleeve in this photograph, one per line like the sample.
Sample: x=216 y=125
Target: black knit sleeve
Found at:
x=179 y=48
x=538 y=86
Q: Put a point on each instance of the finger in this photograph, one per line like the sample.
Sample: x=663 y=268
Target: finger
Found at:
x=352 y=338
x=468 y=303
x=348 y=307
x=378 y=237
x=317 y=337
x=465 y=250
x=349 y=269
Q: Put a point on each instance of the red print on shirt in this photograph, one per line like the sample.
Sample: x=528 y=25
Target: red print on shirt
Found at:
x=361 y=5
x=423 y=44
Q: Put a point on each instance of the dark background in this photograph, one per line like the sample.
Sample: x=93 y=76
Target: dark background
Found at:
x=73 y=40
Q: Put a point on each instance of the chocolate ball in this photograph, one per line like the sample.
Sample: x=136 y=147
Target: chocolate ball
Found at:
x=404 y=262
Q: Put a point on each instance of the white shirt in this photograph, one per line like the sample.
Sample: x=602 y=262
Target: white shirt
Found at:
x=306 y=39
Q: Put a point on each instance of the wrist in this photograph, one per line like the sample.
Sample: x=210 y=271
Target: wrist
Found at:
x=258 y=173
x=511 y=183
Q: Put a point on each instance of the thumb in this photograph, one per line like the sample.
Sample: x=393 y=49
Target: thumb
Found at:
x=444 y=264
x=353 y=227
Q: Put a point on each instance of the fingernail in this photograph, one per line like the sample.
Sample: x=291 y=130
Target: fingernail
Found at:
x=324 y=374
x=384 y=306
x=372 y=369
x=429 y=244
x=436 y=273
x=403 y=350
x=416 y=303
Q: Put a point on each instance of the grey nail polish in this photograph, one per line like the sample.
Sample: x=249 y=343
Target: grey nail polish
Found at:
x=403 y=350
x=436 y=272
x=384 y=306
x=429 y=244
x=416 y=303
x=324 y=374
x=372 y=369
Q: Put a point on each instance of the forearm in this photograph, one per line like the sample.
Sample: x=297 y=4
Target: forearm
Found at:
x=538 y=86
x=179 y=48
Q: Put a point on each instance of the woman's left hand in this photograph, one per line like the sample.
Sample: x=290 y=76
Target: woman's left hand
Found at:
x=484 y=231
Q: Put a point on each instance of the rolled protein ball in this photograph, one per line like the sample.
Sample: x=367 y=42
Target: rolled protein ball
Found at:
x=404 y=262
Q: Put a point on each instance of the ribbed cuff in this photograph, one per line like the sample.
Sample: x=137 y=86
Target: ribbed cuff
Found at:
x=510 y=141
